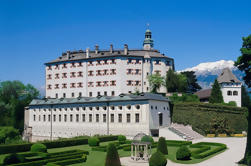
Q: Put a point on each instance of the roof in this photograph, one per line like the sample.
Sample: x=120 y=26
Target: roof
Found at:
x=204 y=94
x=227 y=76
x=81 y=100
x=81 y=55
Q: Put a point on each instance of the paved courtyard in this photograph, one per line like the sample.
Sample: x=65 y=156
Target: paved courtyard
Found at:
x=234 y=153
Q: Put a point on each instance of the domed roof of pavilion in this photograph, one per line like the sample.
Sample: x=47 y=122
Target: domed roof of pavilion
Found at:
x=142 y=138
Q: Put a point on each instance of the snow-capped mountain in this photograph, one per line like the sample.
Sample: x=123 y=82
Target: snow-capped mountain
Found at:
x=207 y=72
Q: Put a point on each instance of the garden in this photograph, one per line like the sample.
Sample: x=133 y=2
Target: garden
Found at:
x=95 y=151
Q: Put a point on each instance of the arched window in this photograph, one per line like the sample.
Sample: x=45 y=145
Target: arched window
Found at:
x=229 y=93
x=235 y=93
x=129 y=107
x=137 y=107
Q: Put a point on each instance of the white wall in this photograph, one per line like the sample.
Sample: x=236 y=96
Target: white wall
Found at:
x=231 y=87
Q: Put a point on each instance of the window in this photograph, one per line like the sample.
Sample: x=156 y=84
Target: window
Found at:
x=90 y=117
x=34 y=117
x=90 y=73
x=137 y=118
x=129 y=71
x=112 y=107
x=105 y=62
x=129 y=107
x=90 y=84
x=120 y=118
x=77 y=117
x=129 y=82
x=90 y=108
x=64 y=95
x=105 y=72
x=113 y=61
x=56 y=96
x=90 y=63
x=97 y=108
x=59 y=118
x=229 y=93
x=120 y=107
x=64 y=66
x=235 y=93
x=113 y=93
x=71 y=118
x=128 y=118
x=80 y=64
x=156 y=107
x=65 y=118
x=44 y=118
x=48 y=76
x=56 y=86
x=48 y=86
x=137 y=83
x=98 y=72
x=98 y=93
x=104 y=107
x=54 y=118
x=39 y=118
x=83 y=108
x=72 y=94
x=129 y=61
x=112 y=118
x=137 y=71
x=73 y=85
x=57 y=76
x=105 y=93
x=80 y=74
x=49 y=118
x=113 y=71
x=73 y=64
x=90 y=94
x=113 y=83
x=105 y=83
x=73 y=75
x=104 y=118
x=64 y=86
x=83 y=117
x=97 y=117
x=157 y=62
x=98 y=83
x=137 y=107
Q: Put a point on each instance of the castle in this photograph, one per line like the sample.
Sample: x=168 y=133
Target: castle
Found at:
x=91 y=92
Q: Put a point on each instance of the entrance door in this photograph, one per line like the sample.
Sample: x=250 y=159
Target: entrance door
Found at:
x=160 y=119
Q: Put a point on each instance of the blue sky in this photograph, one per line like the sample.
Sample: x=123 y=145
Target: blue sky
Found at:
x=191 y=32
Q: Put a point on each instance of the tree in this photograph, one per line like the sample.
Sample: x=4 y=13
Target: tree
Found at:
x=192 y=86
x=175 y=82
x=156 y=81
x=216 y=95
x=244 y=61
x=157 y=159
x=14 y=96
x=245 y=99
x=112 y=156
x=162 y=147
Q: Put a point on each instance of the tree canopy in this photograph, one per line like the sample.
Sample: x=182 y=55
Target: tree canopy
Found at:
x=192 y=85
x=244 y=61
x=216 y=95
x=156 y=81
x=14 y=96
x=175 y=82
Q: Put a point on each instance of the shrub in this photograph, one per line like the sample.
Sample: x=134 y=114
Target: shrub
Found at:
x=93 y=141
x=183 y=153
x=127 y=148
x=38 y=147
x=122 y=139
x=157 y=159
x=147 y=138
x=11 y=159
x=177 y=143
x=112 y=156
x=100 y=148
x=9 y=134
x=162 y=147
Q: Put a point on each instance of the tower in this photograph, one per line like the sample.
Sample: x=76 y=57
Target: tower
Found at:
x=148 y=42
x=230 y=87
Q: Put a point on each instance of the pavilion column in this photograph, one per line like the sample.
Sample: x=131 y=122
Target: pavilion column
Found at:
x=131 y=150
x=135 y=151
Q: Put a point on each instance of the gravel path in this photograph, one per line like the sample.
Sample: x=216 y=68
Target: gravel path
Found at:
x=234 y=153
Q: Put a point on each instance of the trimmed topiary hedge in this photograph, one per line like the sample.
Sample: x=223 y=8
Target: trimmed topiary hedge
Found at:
x=188 y=114
x=38 y=147
x=177 y=143
x=100 y=148
x=162 y=147
x=11 y=159
x=157 y=159
x=93 y=141
x=183 y=153
x=121 y=139
x=112 y=156
x=14 y=148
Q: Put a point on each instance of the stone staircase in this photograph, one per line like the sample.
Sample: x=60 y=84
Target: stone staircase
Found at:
x=185 y=132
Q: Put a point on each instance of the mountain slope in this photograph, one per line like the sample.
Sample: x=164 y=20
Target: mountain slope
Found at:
x=207 y=72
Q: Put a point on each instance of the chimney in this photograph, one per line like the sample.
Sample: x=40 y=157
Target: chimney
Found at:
x=68 y=54
x=96 y=49
x=111 y=48
x=125 y=49
x=87 y=52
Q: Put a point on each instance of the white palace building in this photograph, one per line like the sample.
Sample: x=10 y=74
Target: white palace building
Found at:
x=90 y=92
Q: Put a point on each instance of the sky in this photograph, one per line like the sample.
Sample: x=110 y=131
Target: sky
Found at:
x=195 y=31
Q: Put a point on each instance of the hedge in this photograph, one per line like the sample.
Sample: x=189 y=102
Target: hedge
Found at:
x=188 y=114
x=70 y=161
x=14 y=148
x=99 y=148
x=177 y=143
x=58 y=154
x=208 y=152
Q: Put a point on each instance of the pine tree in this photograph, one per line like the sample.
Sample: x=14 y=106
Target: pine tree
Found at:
x=112 y=156
x=162 y=147
x=216 y=94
